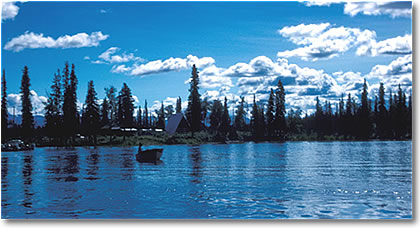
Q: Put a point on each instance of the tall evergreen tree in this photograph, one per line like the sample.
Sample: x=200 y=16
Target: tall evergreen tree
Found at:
x=70 y=113
x=194 y=103
x=139 y=118
x=280 y=114
x=381 y=121
x=4 y=112
x=216 y=114
x=111 y=94
x=146 y=116
x=270 y=115
x=125 y=107
x=91 y=115
x=53 y=108
x=105 y=113
x=364 y=115
x=178 y=105
x=255 y=120
x=161 y=117
x=27 y=116
x=239 y=122
x=225 y=124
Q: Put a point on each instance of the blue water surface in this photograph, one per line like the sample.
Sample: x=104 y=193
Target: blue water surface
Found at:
x=299 y=180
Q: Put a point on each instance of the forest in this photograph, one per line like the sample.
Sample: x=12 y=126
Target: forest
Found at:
x=66 y=124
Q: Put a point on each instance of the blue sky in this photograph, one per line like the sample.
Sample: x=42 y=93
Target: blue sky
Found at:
x=241 y=48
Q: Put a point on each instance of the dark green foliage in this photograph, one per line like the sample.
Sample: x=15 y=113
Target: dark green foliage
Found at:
x=270 y=115
x=239 y=123
x=280 y=112
x=111 y=95
x=91 y=116
x=178 y=105
x=169 y=110
x=193 y=112
x=216 y=114
x=70 y=113
x=105 y=113
x=27 y=116
x=139 y=118
x=146 y=116
x=53 y=109
x=4 y=112
x=225 y=123
x=161 y=118
x=125 y=106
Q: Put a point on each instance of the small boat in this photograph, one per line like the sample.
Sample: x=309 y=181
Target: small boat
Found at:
x=152 y=155
x=16 y=145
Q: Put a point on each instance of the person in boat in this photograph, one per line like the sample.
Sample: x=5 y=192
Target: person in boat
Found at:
x=140 y=150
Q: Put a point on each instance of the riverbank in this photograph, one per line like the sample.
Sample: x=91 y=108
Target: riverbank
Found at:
x=160 y=138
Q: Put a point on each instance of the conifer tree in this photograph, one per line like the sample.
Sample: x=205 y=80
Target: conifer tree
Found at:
x=146 y=116
x=70 y=113
x=105 y=113
x=280 y=113
x=53 y=108
x=216 y=115
x=255 y=120
x=178 y=105
x=111 y=94
x=91 y=115
x=4 y=112
x=125 y=107
x=364 y=115
x=193 y=112
x=270 y=114
x=225 y=124
x=239 y=122
x=161 y=117
x=27 y=116
x=139 y=118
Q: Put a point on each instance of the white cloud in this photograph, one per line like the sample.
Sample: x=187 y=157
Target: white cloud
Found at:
x=32 y=40
x=110 y=56
x=171 y=64
x=9 y=10
x=322 y=41
x=392 y=46
x=393 y=9
x=400 y=66
x=14 y=102
x=320 y=3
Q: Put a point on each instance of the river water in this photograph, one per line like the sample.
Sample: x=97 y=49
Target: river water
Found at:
x=342 y=180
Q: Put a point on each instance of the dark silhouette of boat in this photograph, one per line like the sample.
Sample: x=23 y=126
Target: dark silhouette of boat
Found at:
x=16 y=145
x=152 y=155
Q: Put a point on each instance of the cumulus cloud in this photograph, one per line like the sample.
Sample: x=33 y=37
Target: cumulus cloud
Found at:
x=32 y=40
x=159 y=66
x=320 y=3
x=393 y=9
x=14 y=102
x=323 y=41
x=110 y=56
x=393 y=46
x=9 y=10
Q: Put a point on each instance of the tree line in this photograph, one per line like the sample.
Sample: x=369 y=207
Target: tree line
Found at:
x=64 y=119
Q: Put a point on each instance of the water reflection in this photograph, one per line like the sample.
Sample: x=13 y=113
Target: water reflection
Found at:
x=196 y=161
x=27 y=183
x=71 y=167
x=92 y=162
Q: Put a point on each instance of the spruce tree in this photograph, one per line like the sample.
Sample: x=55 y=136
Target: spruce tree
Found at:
x=53 y=108
x=105 y=113
x=364 y=115
x=139 y=118
x=111 y=94
x=270 y=115
x=4 y=112
x=216 y=115
x=125 y=107
x=255 y=120
x=381 y=121
x=225 y=124
x=91 y=115
x=146 y=116
x=27 y=116
x=161 y=117
x=280 y=113
x=178 y=105
x=70 y=113
x=239 y=122
x=193 y=112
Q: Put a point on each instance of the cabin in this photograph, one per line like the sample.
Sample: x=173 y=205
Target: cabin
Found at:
x=177 y=123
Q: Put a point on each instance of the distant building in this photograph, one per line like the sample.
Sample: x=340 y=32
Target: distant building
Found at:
x=177 y=123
